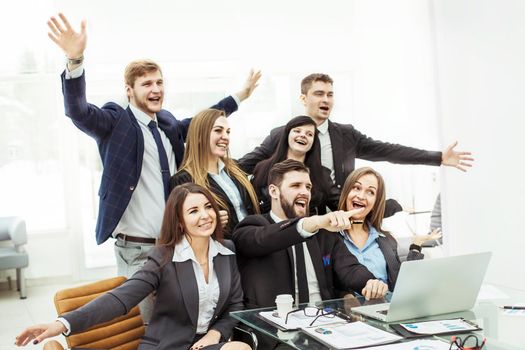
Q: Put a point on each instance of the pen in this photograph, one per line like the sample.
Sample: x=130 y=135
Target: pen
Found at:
x=513 y=307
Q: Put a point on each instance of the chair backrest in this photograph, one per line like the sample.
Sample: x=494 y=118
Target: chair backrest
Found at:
x=121 y=333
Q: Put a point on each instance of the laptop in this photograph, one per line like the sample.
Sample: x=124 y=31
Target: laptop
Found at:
x=431 y=287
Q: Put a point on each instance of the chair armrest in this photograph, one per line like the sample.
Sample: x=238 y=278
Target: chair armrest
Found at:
x=13 y=228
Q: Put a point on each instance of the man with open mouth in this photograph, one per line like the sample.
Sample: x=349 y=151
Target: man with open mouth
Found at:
x=341 y=144
x=140 y=147
x=287 y=252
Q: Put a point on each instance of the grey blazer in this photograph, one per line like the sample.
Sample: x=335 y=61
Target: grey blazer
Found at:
x=174 y=320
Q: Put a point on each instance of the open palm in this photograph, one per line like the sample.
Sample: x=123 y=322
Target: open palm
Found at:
x=71 y=42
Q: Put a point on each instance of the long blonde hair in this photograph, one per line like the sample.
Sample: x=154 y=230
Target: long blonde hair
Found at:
x=195 y=160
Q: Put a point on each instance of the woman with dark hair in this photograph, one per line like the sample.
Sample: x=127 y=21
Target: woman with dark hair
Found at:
x=194 y=274
x=298 y=141
x=207 y=163
x=372 y=246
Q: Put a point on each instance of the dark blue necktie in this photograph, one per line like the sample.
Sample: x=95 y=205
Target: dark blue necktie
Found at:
x=164 y=166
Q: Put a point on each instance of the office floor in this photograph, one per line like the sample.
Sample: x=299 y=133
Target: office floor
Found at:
x=17 y=314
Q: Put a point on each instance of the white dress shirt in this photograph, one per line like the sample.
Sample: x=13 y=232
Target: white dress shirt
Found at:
x=208 y=292
x=327 y=158
x=313 y=285
x=143 y=215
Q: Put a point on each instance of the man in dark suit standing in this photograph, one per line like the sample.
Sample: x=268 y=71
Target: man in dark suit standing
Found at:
x=140 y=147
x=287 y=252
x=341 y=144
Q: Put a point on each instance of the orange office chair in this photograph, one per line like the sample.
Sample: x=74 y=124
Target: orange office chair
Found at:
x=121 y=333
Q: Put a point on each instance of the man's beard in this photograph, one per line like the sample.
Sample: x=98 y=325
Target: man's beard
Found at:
x=288 y=208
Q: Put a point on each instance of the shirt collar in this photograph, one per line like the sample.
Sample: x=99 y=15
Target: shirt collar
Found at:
x=275 y=218
x=183 y=251
x=373 y=234
x=141 y=116
x=323 y=128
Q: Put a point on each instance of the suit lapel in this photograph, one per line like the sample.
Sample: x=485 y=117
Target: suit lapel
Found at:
x=222 y=269
x=315 y=255
x=139 y=138
x=391 y=262
x=189 y=288
x=289 y=252
x=336 y=140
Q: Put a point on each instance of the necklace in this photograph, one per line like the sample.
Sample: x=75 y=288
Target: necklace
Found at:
x=203 y=263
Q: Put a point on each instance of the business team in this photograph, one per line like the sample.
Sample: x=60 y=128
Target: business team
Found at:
x=169 y=209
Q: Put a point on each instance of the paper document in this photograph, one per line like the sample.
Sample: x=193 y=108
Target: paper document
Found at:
x=350 y=335
x=423 y=344
x=298 y=320
x=439 y=327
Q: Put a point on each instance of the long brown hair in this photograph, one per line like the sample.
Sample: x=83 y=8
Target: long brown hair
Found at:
x=195 y=160
x=173 y=226
x=375 y=217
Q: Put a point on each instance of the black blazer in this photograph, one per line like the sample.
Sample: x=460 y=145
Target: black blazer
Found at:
x=266 y=265
x=174 y=320
x=347 y=145
x=183 y=177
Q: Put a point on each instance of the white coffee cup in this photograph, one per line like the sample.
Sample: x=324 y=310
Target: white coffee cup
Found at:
x=284 y=304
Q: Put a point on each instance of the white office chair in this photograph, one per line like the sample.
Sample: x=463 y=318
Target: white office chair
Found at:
x=13 y=255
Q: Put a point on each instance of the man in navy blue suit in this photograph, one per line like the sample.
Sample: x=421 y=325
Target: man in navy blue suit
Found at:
x=139 y=146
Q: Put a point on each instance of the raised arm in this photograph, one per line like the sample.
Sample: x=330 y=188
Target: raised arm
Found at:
x=71 y=42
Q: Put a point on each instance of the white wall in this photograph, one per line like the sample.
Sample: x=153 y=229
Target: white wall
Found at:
x=481 y=55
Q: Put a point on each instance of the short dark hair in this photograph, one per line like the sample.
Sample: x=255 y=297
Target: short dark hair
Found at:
x=279 y=169
x=307 y=82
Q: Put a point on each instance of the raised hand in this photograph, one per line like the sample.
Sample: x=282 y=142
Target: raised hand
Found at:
x=72 y=43
x=249 y=85
x=39 y=332
x=456 y=159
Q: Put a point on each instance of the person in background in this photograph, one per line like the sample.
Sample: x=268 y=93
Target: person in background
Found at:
x=189 y=315
x=374 y=247
x=207 y=163
x=140 y=146
x=341 y=144
x=298 y=141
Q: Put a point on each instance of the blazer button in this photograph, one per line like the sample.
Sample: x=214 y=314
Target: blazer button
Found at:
x=131 y=188
x=338 y=186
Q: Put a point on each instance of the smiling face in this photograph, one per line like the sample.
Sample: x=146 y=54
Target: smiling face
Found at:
x=219 y=138
x=318 y=101
x=292 y=196
x=199 y=216
x=363 y=194
x=147 y=92
x=300 y=140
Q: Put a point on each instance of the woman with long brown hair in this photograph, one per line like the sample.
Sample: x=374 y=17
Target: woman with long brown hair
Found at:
x=298 y=141
x=207 y=163
x=373 y=247
x=194 y=273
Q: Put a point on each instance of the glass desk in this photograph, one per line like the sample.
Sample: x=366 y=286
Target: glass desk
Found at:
x=503 y=332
